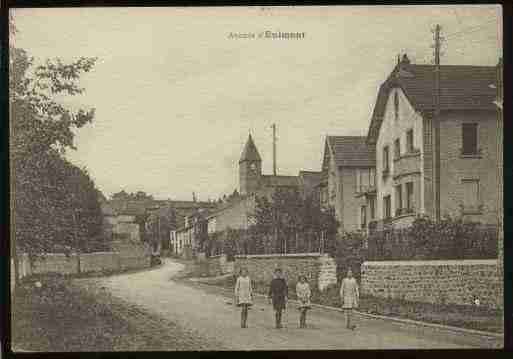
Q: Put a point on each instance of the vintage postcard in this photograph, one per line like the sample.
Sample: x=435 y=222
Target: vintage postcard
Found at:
x=256 y=178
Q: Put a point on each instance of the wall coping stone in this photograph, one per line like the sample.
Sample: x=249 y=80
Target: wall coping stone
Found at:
x=282 y=255
x=432 y=262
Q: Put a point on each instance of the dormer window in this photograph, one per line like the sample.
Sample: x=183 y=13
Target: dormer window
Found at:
x=396 y=106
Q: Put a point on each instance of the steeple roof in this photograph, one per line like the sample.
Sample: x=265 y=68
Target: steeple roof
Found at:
x=250 y=152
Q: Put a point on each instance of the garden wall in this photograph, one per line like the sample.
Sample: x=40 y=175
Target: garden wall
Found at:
x=320 y=269
x=214 y=265
x=89 y=262
x=434 y=281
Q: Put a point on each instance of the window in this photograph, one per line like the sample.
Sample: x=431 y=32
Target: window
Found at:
x=363 y=217
x=409 y=196
x=397 y=148
x=409 y=141
x=469 y=138
x=385 y=159
x=358 y=180
x=387 y=207
x=372 y=210
x=470 y=194
x=398 y=199
x=396 y=106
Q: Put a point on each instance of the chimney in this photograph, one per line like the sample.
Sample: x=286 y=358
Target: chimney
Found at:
x=405 y=60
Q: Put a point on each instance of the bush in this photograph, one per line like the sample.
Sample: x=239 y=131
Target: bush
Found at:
x=426 y=239
x=350 y=253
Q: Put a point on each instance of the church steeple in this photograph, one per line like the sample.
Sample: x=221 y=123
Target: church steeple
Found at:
x=250 y=168
x=250 y=152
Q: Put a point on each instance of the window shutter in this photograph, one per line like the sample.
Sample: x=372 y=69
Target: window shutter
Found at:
x=469 y=138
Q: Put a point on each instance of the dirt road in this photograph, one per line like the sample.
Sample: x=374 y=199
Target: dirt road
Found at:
x=205 y=312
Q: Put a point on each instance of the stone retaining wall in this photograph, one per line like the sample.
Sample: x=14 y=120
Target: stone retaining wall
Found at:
x=89 y=262
x=55 y=263
x=214 y=265
x=319 y=269
x=436 y=281
x=100 y=261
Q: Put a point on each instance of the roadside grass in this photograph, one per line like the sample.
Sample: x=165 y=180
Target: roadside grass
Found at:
x=469 y=317
x=65 y=316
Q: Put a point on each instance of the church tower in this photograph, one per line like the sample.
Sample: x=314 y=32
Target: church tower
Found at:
x=250 y=168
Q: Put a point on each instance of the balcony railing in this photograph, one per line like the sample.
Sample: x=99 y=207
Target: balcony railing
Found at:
x=365 y=189
x=407 y=163
x=404 y=211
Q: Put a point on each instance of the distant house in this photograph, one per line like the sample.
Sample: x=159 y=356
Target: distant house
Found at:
x=119 y=226
x=348 y=176
x=401 y=128
x=185 y=240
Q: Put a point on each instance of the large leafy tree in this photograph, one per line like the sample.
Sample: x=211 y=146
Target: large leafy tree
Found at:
x=55 y=204
x=286 y=223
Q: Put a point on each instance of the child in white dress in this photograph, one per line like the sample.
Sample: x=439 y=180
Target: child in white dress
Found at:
x=303 y=295
x=349 y=296
x=243 y=296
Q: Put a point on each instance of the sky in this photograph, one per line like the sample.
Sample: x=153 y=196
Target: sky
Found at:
x=176 y=97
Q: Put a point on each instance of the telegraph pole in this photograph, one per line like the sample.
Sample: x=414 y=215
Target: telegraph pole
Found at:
x=436 y=125
x=274 y=148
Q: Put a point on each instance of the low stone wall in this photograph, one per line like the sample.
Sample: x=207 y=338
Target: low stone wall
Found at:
x=436 y=281
x=214 y=265
x=133 y=262
x=89 y=262
x=100 y=261
x=55 y=263
x=319 y=269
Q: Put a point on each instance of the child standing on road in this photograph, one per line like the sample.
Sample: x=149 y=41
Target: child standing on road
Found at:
x=303 y=295
x=243 y=296
x=349 y=296
x=278 y=293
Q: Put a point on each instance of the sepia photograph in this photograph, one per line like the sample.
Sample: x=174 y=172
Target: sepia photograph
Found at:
x=256 y=178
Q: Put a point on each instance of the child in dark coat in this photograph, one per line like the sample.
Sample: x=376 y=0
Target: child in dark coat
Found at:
x=278 y=293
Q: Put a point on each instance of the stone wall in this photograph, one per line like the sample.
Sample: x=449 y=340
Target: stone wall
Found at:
x=89 y=262
x=55 y=263
x=214 y=265
x=437 y=281
x=319 y=269
x=100 y=261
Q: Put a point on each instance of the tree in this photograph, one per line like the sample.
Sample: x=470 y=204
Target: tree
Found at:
x=55 y=204
x=289 y=223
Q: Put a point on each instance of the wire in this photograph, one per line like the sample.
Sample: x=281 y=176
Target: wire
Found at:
x=469 y=30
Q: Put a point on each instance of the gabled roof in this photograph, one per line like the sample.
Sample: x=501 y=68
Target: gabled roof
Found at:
x=250 y=152
x=350 y=151
x=462 y=87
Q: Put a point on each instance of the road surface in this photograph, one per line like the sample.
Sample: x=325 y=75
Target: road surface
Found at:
x=206 y=312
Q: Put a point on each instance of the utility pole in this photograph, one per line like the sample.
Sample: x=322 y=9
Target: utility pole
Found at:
x=436 y=125
x=274 y=148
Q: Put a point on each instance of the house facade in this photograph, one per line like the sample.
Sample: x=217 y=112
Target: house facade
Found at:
x=348 y=180
x=402 y=128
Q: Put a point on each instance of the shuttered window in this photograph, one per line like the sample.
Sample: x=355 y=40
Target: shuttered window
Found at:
x=397 y=149
x=387 y=206
x=409 y=141
x=398 y=198
x=470 y=193
x=469 y=138
x=385 y=159
x=409 y=195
